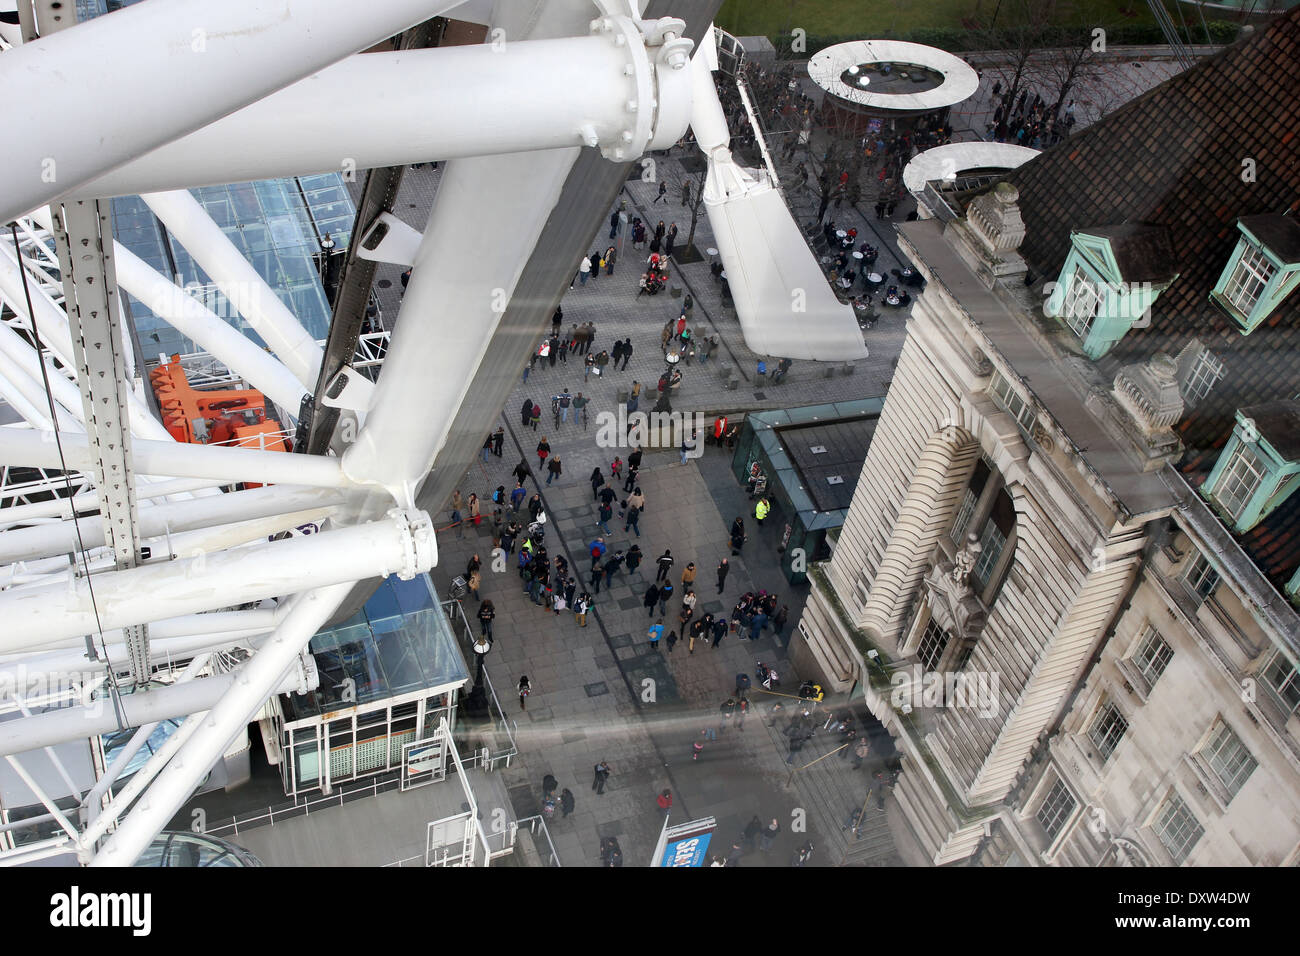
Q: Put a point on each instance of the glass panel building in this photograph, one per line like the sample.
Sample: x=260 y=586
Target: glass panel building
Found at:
x=387 y=675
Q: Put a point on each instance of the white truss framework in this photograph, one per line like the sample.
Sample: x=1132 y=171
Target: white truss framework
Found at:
x=229 y=601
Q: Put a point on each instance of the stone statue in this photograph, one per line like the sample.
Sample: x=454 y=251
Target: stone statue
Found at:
x=963 y=561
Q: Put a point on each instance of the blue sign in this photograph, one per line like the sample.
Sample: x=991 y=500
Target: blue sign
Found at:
x=686 y=851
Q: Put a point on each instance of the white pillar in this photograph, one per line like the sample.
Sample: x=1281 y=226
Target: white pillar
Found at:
x=203 y=239
x=402 y=544
x=464 y=273
x=230 y=715
x=364 y=110
x=37 y=449
x=177 y=66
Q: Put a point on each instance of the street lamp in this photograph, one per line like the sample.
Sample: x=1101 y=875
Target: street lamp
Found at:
x=476 y=702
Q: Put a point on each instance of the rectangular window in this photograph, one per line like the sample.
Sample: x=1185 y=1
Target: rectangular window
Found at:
x=1082 y=299
x=963 y=518
x=1108 y=728
x=932 y=645
x=1283 y=681
x=992 y=542
x=1056 y=809
x=1201 y=579
x=1246 y=284
x=1006 y=398
x=1239 y=481
x=1203 y=375
x=1228 y=757
x=1153 y=656
x=1177 y=828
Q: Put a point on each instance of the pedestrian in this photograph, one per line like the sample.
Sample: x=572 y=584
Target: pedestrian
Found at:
x=549 y=785
x=723 y=568
x=860 y=751
x=665 y=592
x=475 y=515
x=543 y=451
x=719 y=629
x=487 y=448
x=581 y=606
x=473 y=582
x=554 y=469
x=602 y=521
x=734 y=855
x=602 y=776
x=770 y=833
x=752 y=830
x=596 y=549
x=672 y=640
x=665 y=562
x=651 y=599
x=486 y=613
x=688 y=576
x=697 y=748
x=633 y=516
x=498 y=438
x=611 y=255
x=779 y=619
x=536 y=416
x=627 y=353
x=737 y=536
x=664 y=801
x=655 y=633
x=566 y=801
x=584 y=270
x=634 y=556
x=580 y=409
x=663 y=191
x=525 y=688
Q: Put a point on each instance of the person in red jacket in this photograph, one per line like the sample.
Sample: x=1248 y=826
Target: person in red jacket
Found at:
x=665 y=801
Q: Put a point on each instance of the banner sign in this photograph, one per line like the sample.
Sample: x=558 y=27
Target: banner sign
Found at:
x=688 y=843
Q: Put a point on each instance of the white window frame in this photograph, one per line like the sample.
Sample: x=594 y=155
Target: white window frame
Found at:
x=987 y=562
x=1282 y=684
x=1103 y=738
x=1203 y=376
x=1240 y=480
x=934 y=641
x=1250 y=277
x=1175 y=813
x=1058 y=819
x=1008 y=399
x=1227 y=758
x=1081 y=303
x=1152 y=657
x=1195 y=577
x=962 y=521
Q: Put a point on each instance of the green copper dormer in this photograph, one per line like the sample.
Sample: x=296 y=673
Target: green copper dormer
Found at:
x=1262 y=271
x=1260 y=465
x=1110 y=279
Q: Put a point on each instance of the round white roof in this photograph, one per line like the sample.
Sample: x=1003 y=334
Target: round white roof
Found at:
x=946 y=162
x=827 y=68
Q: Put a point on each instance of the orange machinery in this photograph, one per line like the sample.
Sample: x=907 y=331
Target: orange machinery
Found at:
x=233 y=417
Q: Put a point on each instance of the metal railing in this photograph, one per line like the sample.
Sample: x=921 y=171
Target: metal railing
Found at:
x=534 y=824
x=455 y=614
x=371 y=349
x=303 y=808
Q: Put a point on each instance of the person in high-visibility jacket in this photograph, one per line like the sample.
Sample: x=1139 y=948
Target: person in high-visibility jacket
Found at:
x=761 y=510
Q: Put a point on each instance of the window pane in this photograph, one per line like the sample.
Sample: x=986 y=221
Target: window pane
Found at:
x=1239 y=480
x=1228 y=758
x=932 y=645
x=1056 y=809
x=1152 y=656
x=1107 y=730
x=1177 y=828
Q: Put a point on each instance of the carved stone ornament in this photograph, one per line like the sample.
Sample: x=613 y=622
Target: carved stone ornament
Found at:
x=953 y=605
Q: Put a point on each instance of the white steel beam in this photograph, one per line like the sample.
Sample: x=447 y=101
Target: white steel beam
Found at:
x=374 y=97
x=128 y=710
x=187 y=220
x=402 y=544
x=68 y=119
x=259 y=678
x=34 y=448
x=446 y=319
x=26 y=544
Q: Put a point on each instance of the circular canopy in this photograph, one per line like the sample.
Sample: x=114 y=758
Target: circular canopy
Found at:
x=828 y=67
x=946 y=162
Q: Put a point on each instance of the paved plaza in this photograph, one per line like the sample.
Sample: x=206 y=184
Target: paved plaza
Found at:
x=602 y=693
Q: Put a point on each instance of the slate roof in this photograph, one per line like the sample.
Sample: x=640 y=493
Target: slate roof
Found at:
x=1176 y=156
x=1143 y=253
